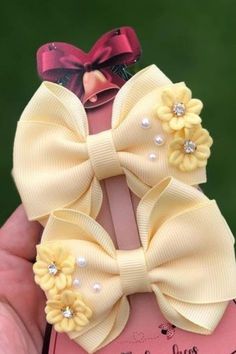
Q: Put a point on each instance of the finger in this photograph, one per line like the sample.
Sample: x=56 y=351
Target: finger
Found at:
x=18 y=236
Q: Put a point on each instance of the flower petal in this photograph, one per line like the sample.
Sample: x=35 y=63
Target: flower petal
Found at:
x=168 y=97
x=164 y=113
x=177 y=123
x=40 y=271
x=203 y=152
x=68 y=297
x=190 y=162
x=192 y=119
x=44 y=254
x=54 y=316
x=49 y=285
x=67 y=324
x=194 y=106
x=184 y=95
x=203 y=138
x=52 y=304
x=176 y=144
x=81 y=319
x=176 y=157
x=166 y=127
x=58 y=327
x=60 y=281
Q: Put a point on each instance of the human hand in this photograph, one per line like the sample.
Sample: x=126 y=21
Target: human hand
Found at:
x=22 y=319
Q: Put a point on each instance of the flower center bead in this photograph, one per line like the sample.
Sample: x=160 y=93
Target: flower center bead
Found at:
x=179 y=109
x=52 y=269
x=67 y=312
x=189 y=146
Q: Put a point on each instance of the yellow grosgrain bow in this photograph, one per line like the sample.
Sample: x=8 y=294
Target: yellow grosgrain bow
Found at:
x=186 y=259
x=58 y=164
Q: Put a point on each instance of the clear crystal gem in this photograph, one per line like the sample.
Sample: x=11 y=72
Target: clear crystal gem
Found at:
x=81 y=262
x=97 y=287
x=152 y=156
x=145 y=123
x=159 y=140
x=67 y=312
x=52 y=269
x=76 y=283
x=179 y=109
x=189 y=146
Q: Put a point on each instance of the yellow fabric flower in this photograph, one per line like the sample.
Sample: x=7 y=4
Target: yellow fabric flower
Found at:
x=190 y=149
x=53 y=268
x=179 y=110
x=68 y=312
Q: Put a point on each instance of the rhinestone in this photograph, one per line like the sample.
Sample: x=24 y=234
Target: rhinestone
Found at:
x=52 y=269
x=145 y=123
x=81 y=262
x=179 y=109
x=67 y=312
x=52 y=46
x=189 y=146
x=152 y=156
x=97 y=287
x=159 y=140
x=76 y=283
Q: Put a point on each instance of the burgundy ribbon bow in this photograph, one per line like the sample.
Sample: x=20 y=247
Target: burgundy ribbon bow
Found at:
x=65 y=64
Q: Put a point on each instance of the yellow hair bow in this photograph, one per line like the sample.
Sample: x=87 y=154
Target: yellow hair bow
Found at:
x=58 y=164
x=186 y=259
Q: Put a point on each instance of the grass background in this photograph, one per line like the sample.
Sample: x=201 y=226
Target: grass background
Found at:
x=191 y=41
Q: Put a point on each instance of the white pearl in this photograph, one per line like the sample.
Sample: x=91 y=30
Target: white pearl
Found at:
x=159 y=139
x=152 y=156
x=81 y=262
x=145 y=123
x=76 y=283
x=97 y=287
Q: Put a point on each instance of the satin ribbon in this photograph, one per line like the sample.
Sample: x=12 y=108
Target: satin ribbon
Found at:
x=58 y=164
x=186 y=259
x=64 y=61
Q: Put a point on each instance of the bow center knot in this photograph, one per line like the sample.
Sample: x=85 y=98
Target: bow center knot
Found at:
x=88 y=66
x=103 y=155
x=133 y=271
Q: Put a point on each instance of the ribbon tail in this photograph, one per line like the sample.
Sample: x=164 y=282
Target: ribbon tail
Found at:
x=197 y=318
x=107 y=329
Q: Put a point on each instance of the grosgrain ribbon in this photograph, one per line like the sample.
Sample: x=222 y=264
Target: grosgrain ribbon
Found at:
x=64 y=164
x=186 y=259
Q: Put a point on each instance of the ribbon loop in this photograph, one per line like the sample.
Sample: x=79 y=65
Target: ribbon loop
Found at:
x=103 y=156
x=133 y=271
x=189 y=265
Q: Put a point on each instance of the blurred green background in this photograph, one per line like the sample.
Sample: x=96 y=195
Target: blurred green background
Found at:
x=191 y=41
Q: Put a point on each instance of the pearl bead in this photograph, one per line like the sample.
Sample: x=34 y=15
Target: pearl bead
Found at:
x=76 y=283
x=159 y=139
x=81 y=262
x=145 y=123
x=97 y=287
x=152 y=156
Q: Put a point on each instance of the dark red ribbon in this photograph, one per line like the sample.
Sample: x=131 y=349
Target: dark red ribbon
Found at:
x=64 y=63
